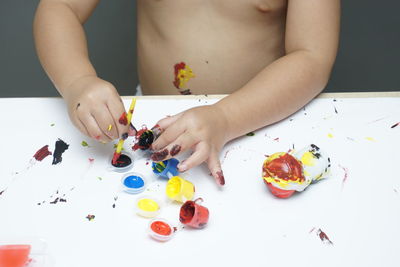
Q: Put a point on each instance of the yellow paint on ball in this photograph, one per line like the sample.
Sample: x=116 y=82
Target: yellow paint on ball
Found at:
x=149 y=205
x=308 y=159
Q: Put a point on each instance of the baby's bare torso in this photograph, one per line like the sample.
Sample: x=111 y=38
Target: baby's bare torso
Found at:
x=224 y=42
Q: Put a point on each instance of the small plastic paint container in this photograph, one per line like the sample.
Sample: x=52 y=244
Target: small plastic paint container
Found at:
x=148 y=207
x=124 y=166
x=179 y=189
x=20 y=252
x=161 y=230
x=133 y=183
x=167 y=168
x=193 y=214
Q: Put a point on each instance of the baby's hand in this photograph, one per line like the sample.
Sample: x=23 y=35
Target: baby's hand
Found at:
x=95 y=107
x=202 y=129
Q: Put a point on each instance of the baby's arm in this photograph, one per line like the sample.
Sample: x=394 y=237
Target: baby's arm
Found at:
x=286 y=85
x=283 y=87
x=93 y=103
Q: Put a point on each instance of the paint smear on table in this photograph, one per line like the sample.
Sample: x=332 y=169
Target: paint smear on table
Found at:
x=395 y=125
x=90 y=217
x=370 y=139
x=346 y=175
x=61 y=147
x=322 y=236
x=42 y=153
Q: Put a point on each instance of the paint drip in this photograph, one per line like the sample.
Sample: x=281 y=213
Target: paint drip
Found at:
x=61 y=147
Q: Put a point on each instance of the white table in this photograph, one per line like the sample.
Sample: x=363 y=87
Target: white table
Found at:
x=248 y=226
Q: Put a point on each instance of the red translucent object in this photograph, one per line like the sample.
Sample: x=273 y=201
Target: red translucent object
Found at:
x=193 y=214
x=14 y=255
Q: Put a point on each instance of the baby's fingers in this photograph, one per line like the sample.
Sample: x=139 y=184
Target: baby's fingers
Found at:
x=201 y=153
x=92 y=128
x=181 y=144
x=106 y=122
x=214 y=165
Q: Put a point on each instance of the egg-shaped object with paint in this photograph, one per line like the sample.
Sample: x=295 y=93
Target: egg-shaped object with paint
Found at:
x=316 y=163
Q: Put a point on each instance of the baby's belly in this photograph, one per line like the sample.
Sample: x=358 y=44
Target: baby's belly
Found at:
x=204 y=53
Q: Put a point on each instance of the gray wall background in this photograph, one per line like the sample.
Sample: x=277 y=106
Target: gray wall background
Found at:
x=368 y=58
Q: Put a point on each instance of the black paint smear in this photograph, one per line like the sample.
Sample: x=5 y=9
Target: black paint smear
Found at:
x=115 y=199
x=395 y=125
x=2 y=192
x=61 y=146
x=122 y=161
x=335 y=110
x=186 y=92
x=146 y=139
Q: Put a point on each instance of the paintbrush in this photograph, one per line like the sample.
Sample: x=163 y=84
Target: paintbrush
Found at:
x=117 y=152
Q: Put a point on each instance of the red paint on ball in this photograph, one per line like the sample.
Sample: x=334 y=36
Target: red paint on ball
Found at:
x=285 y=167
x=42 y=153
x=161 y=228
x=280 y=193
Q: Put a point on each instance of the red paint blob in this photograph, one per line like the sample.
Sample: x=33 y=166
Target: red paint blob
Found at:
x=14 y=255
x=161 y=228
x=159 y=155
x=175 y=150
x=123 y=119
x=220 y=178
x=285 y=167
x=42 y=153
x=177 y=68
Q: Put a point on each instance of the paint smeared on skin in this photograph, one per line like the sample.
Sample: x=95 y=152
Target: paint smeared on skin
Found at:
x=157 y=130
x=220 y=177
x=395 y=125
x=61 y=147
x=160 y=155
x=42 y=153
x=251 y=134
x=182 y=74
x=185 y=92
x=90 y=217
x=175 y=150
x=123 y=119
x=122 y=161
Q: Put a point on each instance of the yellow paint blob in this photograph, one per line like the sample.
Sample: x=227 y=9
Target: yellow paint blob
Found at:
x=173 y=187
x=370 y=139
x=184 y=75
x=330 y=135
x=308 y=159
x=147 y=204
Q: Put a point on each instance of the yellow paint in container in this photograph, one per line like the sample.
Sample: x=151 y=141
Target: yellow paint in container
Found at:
x=147 y=207
x=179 y=189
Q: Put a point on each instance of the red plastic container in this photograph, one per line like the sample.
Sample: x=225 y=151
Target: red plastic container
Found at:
x=193 y=214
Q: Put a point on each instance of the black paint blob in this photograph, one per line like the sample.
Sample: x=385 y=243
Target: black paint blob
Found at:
x=122 y=161
x=61 y=146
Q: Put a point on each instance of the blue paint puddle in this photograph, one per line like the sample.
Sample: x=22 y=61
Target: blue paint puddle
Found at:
x=133 y=181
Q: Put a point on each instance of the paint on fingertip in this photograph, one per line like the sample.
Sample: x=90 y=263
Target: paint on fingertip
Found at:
x=123 y=119
x=109 y=127
x=220 y=177
x=160 y=155
x=175 y=150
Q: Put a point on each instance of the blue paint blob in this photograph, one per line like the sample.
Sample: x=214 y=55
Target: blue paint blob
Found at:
x=133 y=181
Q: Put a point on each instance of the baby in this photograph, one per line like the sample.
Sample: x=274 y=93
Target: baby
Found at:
x=270 y=57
